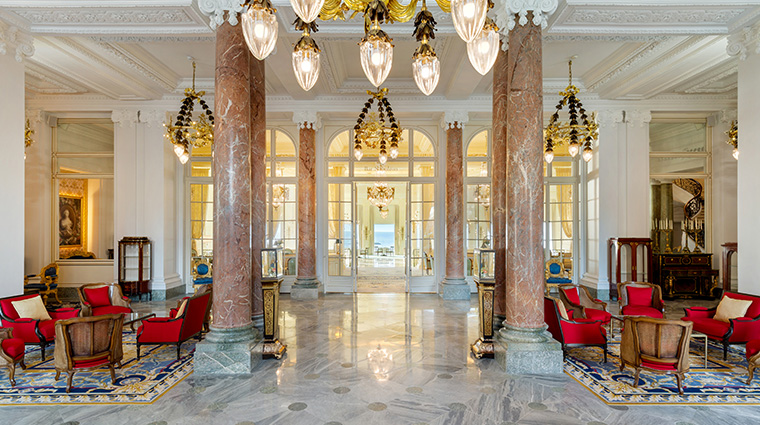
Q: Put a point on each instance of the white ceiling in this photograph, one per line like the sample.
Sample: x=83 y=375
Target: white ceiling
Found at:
x=138 y=49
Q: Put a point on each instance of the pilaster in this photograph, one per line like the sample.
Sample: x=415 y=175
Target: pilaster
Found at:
x=127 y=176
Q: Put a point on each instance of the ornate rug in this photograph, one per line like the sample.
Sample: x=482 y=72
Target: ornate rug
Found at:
x=720 y=382
x=140 y=382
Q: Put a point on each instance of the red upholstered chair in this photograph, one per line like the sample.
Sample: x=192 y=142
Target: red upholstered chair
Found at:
x=640 y=299
x=103 y=298
x=656 y=344
x=578 y=299
x=187 y=323
x=11 y=353
x=573 y=332
x=736 y=331
x=753 y=357
x=207 y=317
x=33 y=331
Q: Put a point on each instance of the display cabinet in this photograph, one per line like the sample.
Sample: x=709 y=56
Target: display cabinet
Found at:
x=135 y=271
x=271 y=264
x=485 y=279
x=486 y=260
x=271 y=279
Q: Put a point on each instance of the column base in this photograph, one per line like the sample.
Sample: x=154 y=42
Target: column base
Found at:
x=305 y=289
x=528 y=351
x=227 y=352
x=455 y=289
x=498 y=319
x=258 y=321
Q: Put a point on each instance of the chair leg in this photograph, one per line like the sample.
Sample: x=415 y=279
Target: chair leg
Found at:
x=679 y=381
x=605 y=352
x=636 y=378
x=23 y=365
x=179 y=344
x=138 y=351
x=68 y=381
x=58 y=300
x=113 y=373
x=725 y=351
x=57 y=374
x=12 y=373
x=751 y=368
x=44 y=346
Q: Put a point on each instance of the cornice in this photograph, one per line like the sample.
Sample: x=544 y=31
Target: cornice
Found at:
x=721 y=72
x=744 y=42
x=127 y=58
x=641 y=53
x=62 y=85
x=15 y=39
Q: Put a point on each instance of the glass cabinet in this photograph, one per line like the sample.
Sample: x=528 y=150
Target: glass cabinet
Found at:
x=135 y=270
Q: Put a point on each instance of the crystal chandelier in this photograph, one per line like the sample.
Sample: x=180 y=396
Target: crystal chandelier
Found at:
x=28 y=133
x=468 y=17
x=259 y=27
x=380 y=195
x=306 y=56
x=372 y=131
x=376 y=48
x=580 y=131
x=279 y=194
x=483 y=191
x=484 y=48
x=186 y=133
x=733 y=139
x=426 y=66
x=307 y=10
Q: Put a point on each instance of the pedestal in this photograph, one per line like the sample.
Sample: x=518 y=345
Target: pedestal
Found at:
x=483 y=347
x=272 y=347
x=233 y=351
x=455 y=289
x=527 y=351
x=305 y=289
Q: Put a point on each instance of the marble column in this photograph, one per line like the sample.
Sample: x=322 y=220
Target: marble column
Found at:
x=524 y=345
x=231 y=346
x=499 y=181
x=258 y=175
x=454 y=285
x=306 y=286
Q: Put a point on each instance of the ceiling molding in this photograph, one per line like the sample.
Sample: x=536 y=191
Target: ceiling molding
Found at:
x=168 y=83
x=703 y=84
x=60 y=85
x=627 y=63
x=153 y=39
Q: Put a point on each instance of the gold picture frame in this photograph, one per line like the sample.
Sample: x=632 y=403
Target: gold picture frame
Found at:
x=72 y=222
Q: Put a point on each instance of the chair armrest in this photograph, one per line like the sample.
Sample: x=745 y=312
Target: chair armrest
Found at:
x=6 y=333
x=699 y=312
x=744 y=328
x=159 y=329
x=160 y=319
x=64 y=313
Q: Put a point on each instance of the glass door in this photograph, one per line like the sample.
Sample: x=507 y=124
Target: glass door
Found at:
x=381 y=251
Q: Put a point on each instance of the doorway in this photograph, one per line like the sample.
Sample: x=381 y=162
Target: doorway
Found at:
x=382 y=241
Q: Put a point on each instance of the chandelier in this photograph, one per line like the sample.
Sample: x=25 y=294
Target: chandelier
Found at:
x=579 y=131
x=483 y=191
x=187 y=133
x=380 y=195
x=733 y=139
x=372 y=130
x=28 y=132
x=279 y=194
x=260 y=30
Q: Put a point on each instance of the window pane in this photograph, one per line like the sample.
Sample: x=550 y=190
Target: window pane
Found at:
x=200 y=169
x=339 y=146
x=337 y=169
x=669 y=165
x=84 y=137
x=391 y=168
x=85 y=165
x=285 y=169
x=477 y=169
x=284 y=148
x=423 y=146
x=424 y=169
x=478 y=146
x=677 y=137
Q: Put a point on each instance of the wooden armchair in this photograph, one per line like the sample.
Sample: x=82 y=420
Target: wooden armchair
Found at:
x=578 y=299
x=640 y=299
x=11 y=353
x=88 y=343
x=48 y=283
x=656 y=344
x=573 y=332
x=103 y=298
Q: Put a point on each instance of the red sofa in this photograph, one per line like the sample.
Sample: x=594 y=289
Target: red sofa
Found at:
x=175 y=330
x=573 y=332
x=735 y=331
x=33 y=332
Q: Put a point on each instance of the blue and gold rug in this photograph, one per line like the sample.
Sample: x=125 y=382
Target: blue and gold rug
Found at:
x=140 y=382
x=719 y=382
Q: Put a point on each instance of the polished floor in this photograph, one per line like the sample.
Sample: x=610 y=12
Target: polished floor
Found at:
x=380 y=359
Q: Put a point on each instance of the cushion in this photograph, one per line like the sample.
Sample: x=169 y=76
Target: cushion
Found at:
x=711 y=327
x=572 y=295
x=634 y=310
x=202 y=269
x=98 y=297
x=754 y=310
x=31 y=308
x=592 y=313
x=731 y=308
x=753 y=347
x=639 y=296
x=559 y=280
x=14 y=347
x=555 y=268
x=658 y=366
x=561 y=308
x=110 y=309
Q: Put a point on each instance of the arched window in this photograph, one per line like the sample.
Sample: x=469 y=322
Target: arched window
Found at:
x=478 y=196
x=281 y=171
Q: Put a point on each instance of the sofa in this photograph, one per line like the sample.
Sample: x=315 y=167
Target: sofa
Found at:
x=734 y=331
x=33 y=331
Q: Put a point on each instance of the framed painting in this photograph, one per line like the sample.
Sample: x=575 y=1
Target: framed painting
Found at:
x=71 y=222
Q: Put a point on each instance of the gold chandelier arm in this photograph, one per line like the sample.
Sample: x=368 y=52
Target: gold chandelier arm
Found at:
x=445 y=5
x=401 y=13
x=357 y=5
x=333 y=10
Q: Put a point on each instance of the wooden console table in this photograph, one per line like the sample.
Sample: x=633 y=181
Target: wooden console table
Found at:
x=686 y=275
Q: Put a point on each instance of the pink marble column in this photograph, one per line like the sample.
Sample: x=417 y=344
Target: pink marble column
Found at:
x=454 y=285
x=232 y=192
x=525 y=190
x=306 y=285
x=257 y=223
x=499 y=179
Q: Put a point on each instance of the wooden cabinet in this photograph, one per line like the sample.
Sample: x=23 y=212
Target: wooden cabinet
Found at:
x=135 y=266
x=686 y=275
x=628 y=260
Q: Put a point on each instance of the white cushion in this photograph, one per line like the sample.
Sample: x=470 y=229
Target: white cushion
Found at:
x=31 y=308
x=731 y=308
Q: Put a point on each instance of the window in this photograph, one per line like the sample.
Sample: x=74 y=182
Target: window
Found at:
x=478 y=196
x=561 y=204
x=282 y=196
x=83 y=188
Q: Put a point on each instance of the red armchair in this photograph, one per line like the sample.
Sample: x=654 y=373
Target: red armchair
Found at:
x=578 y=299
x=207 y=317
x=736 y=331
x=640 y=299
x=573 y=332
x=33 y=331
x=187 y=323
x=12 y=353
x=103 y=298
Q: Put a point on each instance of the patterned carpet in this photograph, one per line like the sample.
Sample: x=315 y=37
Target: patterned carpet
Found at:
x=140 y=382
x=721 y=382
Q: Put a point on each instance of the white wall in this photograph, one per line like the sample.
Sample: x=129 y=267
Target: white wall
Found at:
x=724 y=195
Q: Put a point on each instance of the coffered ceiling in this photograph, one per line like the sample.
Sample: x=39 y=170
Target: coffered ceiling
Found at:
x=133 y=50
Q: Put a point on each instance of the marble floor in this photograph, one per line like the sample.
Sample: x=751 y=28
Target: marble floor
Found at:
x=334 y=373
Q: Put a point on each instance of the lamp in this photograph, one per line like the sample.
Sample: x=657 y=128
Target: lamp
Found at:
x=28 y=132
x=484 y=48
x=306 y=56
x=733 y=139
x=376 y=48
x=578 y=132
x=307 y=10
x=468 y=17
x=259 y=27
x=380 y=195
x=187 y=133
x=372 y=131
x=426 y=66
